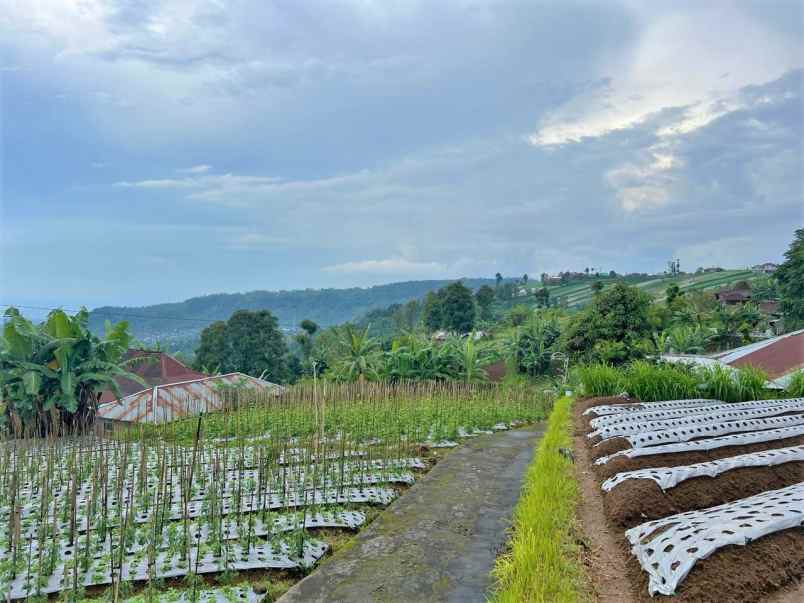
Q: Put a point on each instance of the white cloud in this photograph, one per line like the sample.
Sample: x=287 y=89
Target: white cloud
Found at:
x=677 y=62
x=395 y=266
x=196 y=169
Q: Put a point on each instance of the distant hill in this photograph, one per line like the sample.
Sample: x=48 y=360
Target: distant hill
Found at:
x=177 y=325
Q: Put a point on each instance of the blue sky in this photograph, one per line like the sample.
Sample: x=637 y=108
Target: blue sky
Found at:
x=156 y=150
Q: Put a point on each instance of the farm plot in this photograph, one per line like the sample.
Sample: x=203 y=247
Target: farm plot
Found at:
x=707 y=499
x=253 y=488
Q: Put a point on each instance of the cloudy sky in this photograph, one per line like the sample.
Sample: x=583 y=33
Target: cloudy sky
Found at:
x=157 y=149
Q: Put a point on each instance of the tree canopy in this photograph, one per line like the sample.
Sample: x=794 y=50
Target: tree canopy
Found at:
x=612 y=326
x=790 y=276
x=249 y=342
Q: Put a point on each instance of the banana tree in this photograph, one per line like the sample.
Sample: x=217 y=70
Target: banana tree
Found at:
x=54 y=373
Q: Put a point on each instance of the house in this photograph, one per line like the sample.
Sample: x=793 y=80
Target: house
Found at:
x=173 y=391
x=780 y=357
x=733 y=296
x=767 y=267
x=155 y=368
x=171 y=401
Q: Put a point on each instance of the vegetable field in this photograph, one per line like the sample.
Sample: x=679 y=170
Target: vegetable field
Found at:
x=707 y=498
x=255 y=488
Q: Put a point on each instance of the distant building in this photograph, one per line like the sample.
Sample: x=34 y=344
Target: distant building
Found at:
x=733 y=296
x=168 y=402
x=173 y=391
x=155 y=368
x=767 y=268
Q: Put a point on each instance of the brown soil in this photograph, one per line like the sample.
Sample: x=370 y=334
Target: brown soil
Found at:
x=773 y=565
x=624 y=463
x=738 y=574
x=586 y=403
x=604 y=555
x=636 y=501
x=608 y=447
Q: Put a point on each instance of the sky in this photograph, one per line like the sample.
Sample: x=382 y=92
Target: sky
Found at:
x=154 y=150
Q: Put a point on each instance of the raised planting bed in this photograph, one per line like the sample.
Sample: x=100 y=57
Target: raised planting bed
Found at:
x=738 y=496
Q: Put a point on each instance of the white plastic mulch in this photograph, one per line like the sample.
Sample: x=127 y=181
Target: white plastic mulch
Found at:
x=669 y=477
x=624 y=429
x=684 y=434
x=738 y=439
x=668 y=548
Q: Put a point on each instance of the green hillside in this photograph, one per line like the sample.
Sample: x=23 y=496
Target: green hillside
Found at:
x=177 y=326
x=578 y=294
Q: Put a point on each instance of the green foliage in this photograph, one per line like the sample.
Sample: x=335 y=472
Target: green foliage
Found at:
x=357 y=354
x=249 y=342
x=651 y=382
x=433 y=310
x=534 y=345
x=451 y=308
x=57 y=371
x=795 y=387
x=519 y=315
x=485 y=297
x=790 y=276
x=458 y=309
x=612 y=327
x=764 y=288
x=599 y=379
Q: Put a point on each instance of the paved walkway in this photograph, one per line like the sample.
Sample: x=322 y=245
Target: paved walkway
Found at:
x=439 y=541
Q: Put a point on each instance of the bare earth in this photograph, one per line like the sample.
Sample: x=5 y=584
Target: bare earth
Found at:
x=439 y=541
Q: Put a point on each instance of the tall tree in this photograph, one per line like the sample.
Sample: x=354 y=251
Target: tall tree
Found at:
x=56 y=372
x=357 y=354
x=458 y=308
x=211 y=352
x=485 y=297
x=305 y=338
x=790 y=276
x=433 y=311
x=249 y=342
x=616 y=321
x=498 y=278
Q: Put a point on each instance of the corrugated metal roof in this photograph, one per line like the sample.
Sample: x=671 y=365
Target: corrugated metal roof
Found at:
x=779 y=357
x=155 y=368
x=163 y=403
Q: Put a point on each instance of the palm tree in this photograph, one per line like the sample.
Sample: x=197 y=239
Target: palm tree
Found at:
x=358 y=353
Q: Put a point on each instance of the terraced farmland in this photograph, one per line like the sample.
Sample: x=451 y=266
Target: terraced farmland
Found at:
x=252 y=489
x=705 y=499
x=579 y=294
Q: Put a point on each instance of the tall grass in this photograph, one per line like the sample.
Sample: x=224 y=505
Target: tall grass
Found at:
x=651 y=382
x=543 y=563
x=600 y=379
x=795 y=387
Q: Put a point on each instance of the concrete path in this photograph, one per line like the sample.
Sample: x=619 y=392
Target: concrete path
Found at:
x=439 y=541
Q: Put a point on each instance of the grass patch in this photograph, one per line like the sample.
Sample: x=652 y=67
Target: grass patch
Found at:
x=543 y=563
